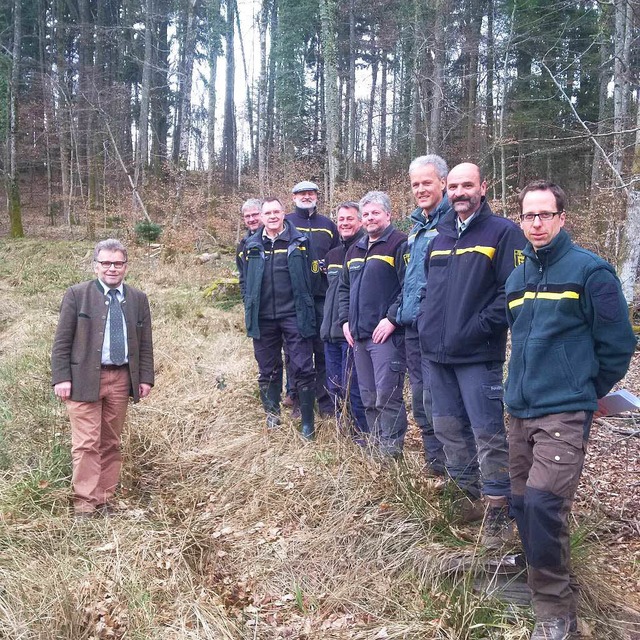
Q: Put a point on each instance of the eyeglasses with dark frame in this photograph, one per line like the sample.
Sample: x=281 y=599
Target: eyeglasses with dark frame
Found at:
x=106 y=264
x=543 y=215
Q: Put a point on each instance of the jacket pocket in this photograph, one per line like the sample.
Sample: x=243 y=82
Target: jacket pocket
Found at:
x=562 y=360
x=305 y=315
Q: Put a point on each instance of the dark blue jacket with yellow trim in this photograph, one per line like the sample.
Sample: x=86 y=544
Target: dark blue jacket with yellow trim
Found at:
x=462 y=318
x=372 y=281
x=570 y=332
x=323 y=236
x=423 y=231
x=240 y=260
x=331 y=329
x=280 y=280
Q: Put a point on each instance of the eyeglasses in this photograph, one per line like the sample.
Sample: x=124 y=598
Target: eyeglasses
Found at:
x=106 y=264
x=544 y=215
x=248 y=216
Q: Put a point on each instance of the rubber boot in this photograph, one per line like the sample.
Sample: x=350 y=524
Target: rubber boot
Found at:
x=307 y=398
x=270 y=397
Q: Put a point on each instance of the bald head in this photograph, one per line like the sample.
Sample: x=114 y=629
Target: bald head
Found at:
x=466 y=188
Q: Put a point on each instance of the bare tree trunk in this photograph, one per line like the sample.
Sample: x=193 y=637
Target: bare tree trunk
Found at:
x=491 y=67
x=329 y=45
x=382 y=150
x=249 y=103
x=262 y=95
x=229 y=130
x=13 y=186
x=186 y=81
x=372 y=105
x=160 y=97
x=213 y=52
x=142 y=155
x=604 y=75
x=46 y=105
x=620 y=79
x=351 y=133
x=435 y=124
x=63 y=108
x=472 y=45
x=629 y=267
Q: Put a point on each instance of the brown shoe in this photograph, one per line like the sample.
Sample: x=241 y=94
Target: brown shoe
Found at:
x=288 y=401
x=466 y=510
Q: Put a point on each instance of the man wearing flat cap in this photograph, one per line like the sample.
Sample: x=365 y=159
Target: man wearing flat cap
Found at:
x=323 y=236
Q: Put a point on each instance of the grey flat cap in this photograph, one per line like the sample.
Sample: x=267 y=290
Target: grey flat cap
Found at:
x=305 y=185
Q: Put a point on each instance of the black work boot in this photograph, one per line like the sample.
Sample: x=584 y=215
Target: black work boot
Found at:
x=270 y=397
x=307 y=398
x=553 y=629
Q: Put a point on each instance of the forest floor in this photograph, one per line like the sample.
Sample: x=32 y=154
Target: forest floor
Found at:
x=225 y=531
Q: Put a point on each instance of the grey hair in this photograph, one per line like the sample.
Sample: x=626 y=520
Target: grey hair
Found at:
x=251 y=203
x=377 y=197
x=349 y=204
x=432 y=159
x=111 y=244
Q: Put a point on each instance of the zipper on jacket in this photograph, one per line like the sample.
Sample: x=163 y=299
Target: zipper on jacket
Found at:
x=273 y=283
x=541 y=272
x=446 y=306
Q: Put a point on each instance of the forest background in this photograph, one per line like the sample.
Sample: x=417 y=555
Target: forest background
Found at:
x=174 y=111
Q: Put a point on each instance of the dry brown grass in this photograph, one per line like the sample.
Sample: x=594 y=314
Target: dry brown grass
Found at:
x=225 y=531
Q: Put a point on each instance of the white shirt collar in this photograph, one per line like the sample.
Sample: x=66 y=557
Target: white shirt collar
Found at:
x=106 y=288
x=463 y=224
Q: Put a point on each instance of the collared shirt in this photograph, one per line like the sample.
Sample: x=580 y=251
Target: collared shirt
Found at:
x=106 y=342
x=266 y=236
x=463 y=224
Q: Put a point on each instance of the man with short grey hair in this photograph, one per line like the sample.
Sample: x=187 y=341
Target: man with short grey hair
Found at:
x=371 y=283
x=251 y=217
x=102 y=354
x=427 y=175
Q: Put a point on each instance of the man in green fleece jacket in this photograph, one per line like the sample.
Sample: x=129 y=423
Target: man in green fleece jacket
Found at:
x=571 y=342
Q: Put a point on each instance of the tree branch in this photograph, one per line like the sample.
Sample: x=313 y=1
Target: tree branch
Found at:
x=582 y=123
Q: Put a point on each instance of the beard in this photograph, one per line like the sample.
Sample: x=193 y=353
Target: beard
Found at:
x=305 y=205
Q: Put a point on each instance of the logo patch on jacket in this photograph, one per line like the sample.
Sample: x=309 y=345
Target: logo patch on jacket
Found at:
x=315 y=266
x=518 y=257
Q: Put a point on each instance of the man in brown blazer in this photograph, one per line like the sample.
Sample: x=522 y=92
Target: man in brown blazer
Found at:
x=102 y=354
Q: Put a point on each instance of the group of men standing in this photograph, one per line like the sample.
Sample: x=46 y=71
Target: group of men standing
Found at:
x=438 y=304
x=357 y=305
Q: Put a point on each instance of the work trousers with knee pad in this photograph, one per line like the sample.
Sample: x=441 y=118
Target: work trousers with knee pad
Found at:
x=546 y=457
x=468 y=420
x=381 y=370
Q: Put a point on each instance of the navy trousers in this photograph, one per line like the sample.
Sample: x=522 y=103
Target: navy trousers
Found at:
x=342 y=383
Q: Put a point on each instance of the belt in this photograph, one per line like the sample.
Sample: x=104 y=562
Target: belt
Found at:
x=113 y=367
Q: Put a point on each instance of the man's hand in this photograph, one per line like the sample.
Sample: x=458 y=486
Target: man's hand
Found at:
x=63 y=390
x=347 y=334
x=384 y=329
x=144 y=390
